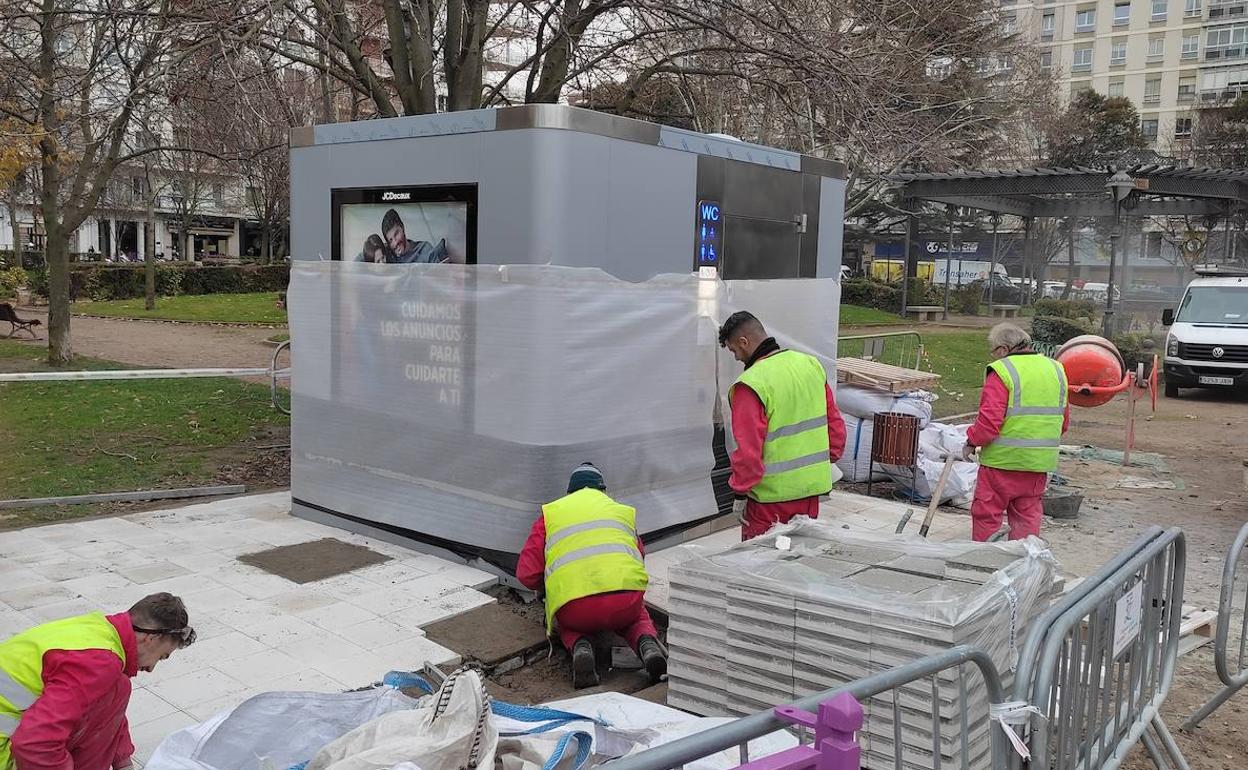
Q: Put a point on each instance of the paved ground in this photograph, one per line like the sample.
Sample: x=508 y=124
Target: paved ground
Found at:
x=257 y=632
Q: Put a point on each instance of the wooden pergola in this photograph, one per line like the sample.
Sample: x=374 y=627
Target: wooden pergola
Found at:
x=1140 y=190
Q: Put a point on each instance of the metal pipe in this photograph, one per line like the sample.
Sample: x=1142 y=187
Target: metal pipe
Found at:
x=948 y=259
x=139 y=374
x=905 y=262
x=273 y=378
x=992 y=271
x=1233 y=682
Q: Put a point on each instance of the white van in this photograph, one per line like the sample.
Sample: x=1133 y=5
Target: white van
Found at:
x=1207 y=346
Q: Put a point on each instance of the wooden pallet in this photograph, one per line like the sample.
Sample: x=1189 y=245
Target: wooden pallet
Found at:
x=1196 y=628
x=878 y=376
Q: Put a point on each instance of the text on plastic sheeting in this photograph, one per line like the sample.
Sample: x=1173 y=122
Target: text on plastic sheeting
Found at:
x=439 y=324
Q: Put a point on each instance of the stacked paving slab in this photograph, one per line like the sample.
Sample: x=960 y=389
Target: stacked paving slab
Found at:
x=811 y=607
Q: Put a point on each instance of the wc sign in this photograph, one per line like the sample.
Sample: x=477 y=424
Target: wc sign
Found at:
x=710 y=237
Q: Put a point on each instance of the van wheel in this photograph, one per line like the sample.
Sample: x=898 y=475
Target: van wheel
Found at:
x=1172 y=391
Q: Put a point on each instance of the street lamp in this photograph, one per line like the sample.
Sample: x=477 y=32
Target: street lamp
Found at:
x=1120 y=186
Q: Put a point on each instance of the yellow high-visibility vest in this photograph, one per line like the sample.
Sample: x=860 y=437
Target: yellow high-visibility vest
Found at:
x=21 y=665
x=591 y=548
x=793 y=389
x=1031 y=435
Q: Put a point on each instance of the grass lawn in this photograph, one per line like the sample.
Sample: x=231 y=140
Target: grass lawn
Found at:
x=70 y=438
x=959 y=357
x=257 y=308
x=856 y=315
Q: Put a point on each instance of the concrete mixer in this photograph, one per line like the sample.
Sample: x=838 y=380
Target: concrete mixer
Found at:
x=1095 y=373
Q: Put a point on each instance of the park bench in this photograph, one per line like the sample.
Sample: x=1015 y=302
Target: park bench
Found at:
x=925 y=312
x=7 y=313
x=1006 y=311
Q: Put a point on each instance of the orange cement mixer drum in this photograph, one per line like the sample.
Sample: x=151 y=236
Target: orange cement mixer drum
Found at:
x=1091 y=360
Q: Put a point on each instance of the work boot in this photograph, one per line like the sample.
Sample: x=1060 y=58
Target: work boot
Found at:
x=652 y=657
x=584 y=667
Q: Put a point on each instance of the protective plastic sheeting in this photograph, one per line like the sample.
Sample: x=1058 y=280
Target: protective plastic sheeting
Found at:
x=452 y=401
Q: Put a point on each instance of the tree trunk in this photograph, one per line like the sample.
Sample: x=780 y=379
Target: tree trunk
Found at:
x=149 y=261
x=266 y=238
x=56 y=253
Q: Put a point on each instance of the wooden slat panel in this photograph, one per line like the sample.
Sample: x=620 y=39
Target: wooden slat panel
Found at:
x=879 y=376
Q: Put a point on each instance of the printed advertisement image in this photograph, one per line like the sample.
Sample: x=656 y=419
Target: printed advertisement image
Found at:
x=407 y=225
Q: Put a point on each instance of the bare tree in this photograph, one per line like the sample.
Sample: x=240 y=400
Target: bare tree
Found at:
x=78 y=72
x=881 y=85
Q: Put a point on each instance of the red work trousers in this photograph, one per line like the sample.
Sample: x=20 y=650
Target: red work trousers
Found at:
x=760 y=517
x=1016 y=494
x=621 y=612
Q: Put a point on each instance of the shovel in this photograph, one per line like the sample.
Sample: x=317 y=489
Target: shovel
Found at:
x=933 y=503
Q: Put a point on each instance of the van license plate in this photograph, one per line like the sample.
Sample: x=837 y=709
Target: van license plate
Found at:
x=1216 y=380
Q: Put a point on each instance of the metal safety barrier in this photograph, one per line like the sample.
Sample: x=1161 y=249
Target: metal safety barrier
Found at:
x=1099 y=664
x=1234 y=677
x=903 y=349
x=273 y=372
x=835 y=715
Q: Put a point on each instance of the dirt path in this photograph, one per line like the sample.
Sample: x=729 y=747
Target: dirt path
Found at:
x=164 y=344
x=1204 y=440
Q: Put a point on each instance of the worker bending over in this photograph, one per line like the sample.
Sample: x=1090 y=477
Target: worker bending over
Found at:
x=584 y=548
x=1023 y=412
x=786 y=426
x=65 y=685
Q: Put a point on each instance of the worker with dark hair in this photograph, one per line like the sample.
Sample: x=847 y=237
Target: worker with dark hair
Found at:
x=786 y=426
x=584 y=550
x=1023 y=411
x=407 y=251
x=65 y=685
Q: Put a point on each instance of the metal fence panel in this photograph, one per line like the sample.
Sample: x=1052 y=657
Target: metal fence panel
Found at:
x=904 y=349
x=1232 y=668
x=890 y=688
x=1104 y=664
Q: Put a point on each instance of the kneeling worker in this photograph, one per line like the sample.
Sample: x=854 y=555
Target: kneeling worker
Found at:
x=65 y=685
x=585 y=550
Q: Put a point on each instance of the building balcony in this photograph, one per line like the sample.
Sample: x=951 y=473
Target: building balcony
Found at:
x=1219 y=99
x=1223 y=54
x=1225 y=11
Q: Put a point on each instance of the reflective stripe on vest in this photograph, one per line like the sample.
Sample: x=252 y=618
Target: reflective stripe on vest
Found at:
x=8 y=726
x=590 y=552
x=792 y=387
x=14 y=693
x=1031 y=434
x=591 y=548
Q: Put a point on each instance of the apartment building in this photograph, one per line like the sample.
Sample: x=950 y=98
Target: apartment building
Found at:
x=1169 y=57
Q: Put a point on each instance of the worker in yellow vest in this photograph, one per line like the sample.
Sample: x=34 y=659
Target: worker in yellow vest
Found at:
x=1023 y=412
x=584 y=550
x=786 y=426
x=65 y=685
